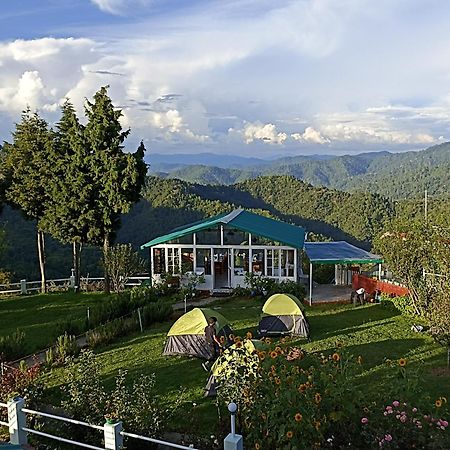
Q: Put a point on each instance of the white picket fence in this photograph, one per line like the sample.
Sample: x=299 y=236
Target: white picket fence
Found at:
x=113 y=433
x=24 y=287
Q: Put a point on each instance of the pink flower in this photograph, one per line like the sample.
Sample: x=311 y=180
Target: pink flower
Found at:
x=387 y=437
x=395 y=403
x=364 y=420
x=403 y=419
x=385 y=413
x=414 y=410
x=389 y=408
x=444 y=423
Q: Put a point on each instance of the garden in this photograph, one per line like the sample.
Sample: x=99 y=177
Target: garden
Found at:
x=364 y=377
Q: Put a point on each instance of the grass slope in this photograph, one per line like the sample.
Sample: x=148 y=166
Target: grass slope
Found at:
x=37 y=315
x=373 y=331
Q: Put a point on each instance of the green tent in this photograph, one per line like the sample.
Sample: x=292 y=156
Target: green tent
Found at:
x=187 y=334
x=283 y=314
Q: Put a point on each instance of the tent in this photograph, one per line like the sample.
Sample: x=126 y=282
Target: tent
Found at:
x=187 y=334
x=283 y=314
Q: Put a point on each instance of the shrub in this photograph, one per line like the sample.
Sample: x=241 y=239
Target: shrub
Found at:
x=66 y=345
x=12 y=346
x=402 y=304
x=288 y=287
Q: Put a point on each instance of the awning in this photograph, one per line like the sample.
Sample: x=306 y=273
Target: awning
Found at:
x=339 y=252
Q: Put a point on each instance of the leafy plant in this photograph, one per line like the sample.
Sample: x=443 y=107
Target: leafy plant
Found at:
x=12 y=346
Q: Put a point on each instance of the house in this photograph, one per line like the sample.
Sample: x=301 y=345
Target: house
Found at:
x=224 y=248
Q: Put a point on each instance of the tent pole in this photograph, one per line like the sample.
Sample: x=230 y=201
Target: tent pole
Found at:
x=310 y=283
x=379 y=271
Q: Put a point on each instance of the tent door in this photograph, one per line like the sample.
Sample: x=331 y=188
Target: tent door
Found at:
x=222 y=272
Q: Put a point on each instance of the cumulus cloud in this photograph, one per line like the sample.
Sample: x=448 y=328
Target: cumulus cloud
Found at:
x=267 y=133
x=310 y=135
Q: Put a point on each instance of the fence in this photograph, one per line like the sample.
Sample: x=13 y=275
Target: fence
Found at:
x=113 y=433
x=63 y=284
x=371 y=285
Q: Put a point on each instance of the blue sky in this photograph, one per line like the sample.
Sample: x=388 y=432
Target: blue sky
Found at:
x=248 y=77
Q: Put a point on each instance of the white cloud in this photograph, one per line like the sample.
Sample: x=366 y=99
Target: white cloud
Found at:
x=118 y=6
x=310 y=135
x=263 y=132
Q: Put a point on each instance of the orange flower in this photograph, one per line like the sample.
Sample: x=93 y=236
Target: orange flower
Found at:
x=277 y=381
x=302 y=388
x=262 y=355
x=438 y=402
x=278 y=350
x=317 y=398
x=289 y=434
x=298 y=417
x=336 y=357
x=402 y=362
x=249 y=335
x=273 y=354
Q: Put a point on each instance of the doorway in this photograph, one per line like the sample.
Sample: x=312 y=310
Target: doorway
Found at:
x=222 y=272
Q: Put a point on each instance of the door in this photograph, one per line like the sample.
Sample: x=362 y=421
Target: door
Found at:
x=221 y=268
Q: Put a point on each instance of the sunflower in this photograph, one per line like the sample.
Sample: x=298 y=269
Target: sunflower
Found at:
x=262 y=355
x=336 y=357
x=238 y=344
x=277 y=381
x=438 y=402
x=444 y=399
x=268 y=341
x=273 y=354
x=402 y=362
x=317 y=398
x=273 y=369
x=222 y=339
x=302 y=388
x=278 y=350
x=298 y=417
x=249 y=335
x=257 y=446
x=289 y=434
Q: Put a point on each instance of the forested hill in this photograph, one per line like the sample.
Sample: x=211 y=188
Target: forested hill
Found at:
x=393 y=175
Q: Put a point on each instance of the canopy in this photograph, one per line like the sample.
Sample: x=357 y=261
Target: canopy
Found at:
x=195 y=321
x=239 y=219
x=339 y=252
x=283 y=305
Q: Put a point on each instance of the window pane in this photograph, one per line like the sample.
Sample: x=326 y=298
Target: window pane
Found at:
x=258 y=261
x=204 y=260
x=187 y=260
x=240 y=261
x=159 y=263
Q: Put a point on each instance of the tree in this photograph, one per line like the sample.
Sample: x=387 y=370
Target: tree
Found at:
x=117 y=177
x=27 y=165
x=70 y=216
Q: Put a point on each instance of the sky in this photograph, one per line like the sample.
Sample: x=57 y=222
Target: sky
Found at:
x=257 y=78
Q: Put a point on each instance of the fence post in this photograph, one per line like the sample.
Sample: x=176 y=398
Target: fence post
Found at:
x=113 y=438
x=233 y=441
x=17 y=420
x=23 y=287
x=72 y=279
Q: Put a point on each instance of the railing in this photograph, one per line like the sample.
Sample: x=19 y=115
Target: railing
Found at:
x=113 y=433
x=63 y=284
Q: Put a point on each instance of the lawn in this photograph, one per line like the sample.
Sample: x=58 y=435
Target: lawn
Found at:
x=37 y=315
x=374 y=331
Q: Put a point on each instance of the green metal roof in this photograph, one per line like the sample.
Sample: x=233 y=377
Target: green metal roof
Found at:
x=339 y=252
x=239 y=219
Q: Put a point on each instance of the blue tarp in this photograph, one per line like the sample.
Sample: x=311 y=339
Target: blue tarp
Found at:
x=339 y=252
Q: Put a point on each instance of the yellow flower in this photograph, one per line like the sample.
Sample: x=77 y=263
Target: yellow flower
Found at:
x=262 y=355
x=273 y=354
x=438 y=402
x=268 y=341
x=249 y=335
x=336 y=357
x=277 y=381
x=289 y=434
x=278 y=350
x=402 y=362
x=298 y=417
x=317 y=398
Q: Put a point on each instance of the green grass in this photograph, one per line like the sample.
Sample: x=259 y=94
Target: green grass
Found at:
x=373 y=331
x=37 y=315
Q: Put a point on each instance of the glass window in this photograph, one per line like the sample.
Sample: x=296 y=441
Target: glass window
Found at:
x=204 y=260
x=187 y=260
x=273 y=259
x=188 y=239
x=232 y=236
x=258 y=262
x=287 y=263
x=159 y=262
x=240 y=261
x=209 y=236
x=173 y=260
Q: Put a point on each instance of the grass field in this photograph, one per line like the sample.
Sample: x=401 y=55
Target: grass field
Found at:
x=373 y=331
x=37 y=315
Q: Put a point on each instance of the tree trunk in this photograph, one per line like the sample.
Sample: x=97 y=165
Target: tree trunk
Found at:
x=448 y=357
x=76 y=254
x=105 y=265
x=41 y=254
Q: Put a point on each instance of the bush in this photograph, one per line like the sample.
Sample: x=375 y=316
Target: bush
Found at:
x=288 y=287
x=66 y=345
x=402 y=304
x=12 y=346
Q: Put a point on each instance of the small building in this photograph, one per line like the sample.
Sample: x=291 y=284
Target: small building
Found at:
x=224 y=248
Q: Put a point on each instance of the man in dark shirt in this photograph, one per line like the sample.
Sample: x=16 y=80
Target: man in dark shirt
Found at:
x=213 y=343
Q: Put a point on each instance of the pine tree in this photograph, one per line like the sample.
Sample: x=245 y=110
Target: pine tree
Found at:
x=69 y=216
x=118 y=177
x=27 y=165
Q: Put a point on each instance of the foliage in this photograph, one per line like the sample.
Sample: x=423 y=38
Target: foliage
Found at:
x=22 y=381
x=288 y=287
x=121 y=262
x=12 y=346
x=403 y=304
x=66 y=346
x=189 y=284
x=258 y=284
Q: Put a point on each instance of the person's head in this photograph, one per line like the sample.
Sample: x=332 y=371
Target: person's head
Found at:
x=212 y=320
